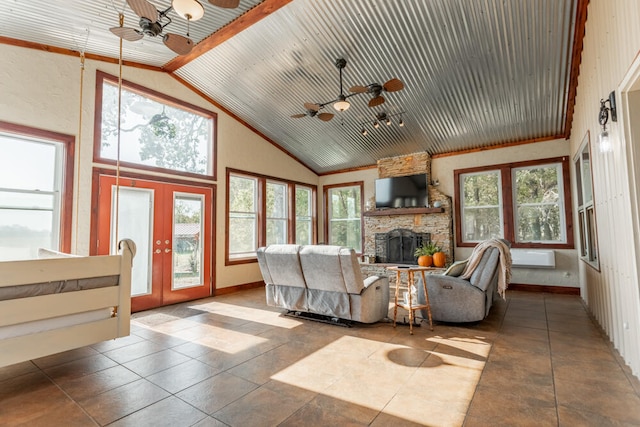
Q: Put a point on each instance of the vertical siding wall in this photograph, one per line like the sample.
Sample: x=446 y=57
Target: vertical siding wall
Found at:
x=611 y=44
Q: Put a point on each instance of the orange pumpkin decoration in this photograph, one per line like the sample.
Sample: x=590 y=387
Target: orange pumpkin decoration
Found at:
x=425 y=260
x=439 y=259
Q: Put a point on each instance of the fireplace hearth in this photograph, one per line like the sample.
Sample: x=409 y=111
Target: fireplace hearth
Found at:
x=398 y=246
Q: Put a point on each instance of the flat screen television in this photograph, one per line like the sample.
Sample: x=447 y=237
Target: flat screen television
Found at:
x=402 y=192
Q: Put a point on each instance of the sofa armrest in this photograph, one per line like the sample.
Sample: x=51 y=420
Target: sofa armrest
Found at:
x=447 y=281
x=376 y=281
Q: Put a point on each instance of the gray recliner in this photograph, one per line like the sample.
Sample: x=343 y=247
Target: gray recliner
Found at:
x=454 y=299
x=322 y=279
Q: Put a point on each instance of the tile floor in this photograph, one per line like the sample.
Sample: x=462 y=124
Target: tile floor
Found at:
x=538 y=360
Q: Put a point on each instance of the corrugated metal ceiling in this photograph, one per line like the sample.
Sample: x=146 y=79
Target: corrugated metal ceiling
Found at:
x=83 y=25
x=476 y=74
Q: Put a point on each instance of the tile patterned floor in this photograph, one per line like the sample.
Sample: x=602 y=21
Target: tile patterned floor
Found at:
x=538 y=360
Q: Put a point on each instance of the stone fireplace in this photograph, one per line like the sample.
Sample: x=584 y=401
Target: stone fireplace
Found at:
x=398 y=246
x=406 y=227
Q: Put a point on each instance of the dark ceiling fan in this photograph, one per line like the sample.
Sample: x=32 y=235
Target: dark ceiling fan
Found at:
x=153 y=21
x=341 y=103
x=313 y=110
x=376 y=90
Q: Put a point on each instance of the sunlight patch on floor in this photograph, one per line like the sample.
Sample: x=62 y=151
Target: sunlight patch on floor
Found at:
x=273 y=318
x=471 y=345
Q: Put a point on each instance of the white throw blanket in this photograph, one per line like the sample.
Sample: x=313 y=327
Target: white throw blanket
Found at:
x=504 y=272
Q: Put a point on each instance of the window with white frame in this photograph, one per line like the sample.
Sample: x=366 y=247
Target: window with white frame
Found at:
x=243 y=216
x=525 y=203
x=36 y=176
x=538 y=201
x=277 y=213
x=304 y=216
x=481 y=206
x=263 y=210
x=586 y=207
x=344 y=215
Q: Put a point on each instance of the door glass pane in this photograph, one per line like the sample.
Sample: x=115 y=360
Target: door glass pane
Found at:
x=135 y=222
x=187 y=259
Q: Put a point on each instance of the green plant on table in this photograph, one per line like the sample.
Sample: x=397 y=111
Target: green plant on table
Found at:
x=428 y=248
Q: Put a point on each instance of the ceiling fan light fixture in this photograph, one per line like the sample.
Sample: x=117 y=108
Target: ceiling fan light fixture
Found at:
x=401 y=123
x=364 y=132
x=191 y=10
x=376 y=124
x=341 y=104
x=388 y=122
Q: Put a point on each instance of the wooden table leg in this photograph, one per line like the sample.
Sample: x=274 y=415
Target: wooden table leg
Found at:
x=395 y=305
x=426 y=299
x=410 y=285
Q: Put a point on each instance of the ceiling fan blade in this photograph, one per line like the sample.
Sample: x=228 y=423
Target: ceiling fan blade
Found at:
x=393 y=85
x=177 y=43
x=325 y=117
x=374 y=102
x=311 y=106
x=358 y=89
x=128 y=34
x=227 y=4
x=297 y=116
x=144 y=9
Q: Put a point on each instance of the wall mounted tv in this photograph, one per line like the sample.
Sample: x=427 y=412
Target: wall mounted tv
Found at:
x=402 y=192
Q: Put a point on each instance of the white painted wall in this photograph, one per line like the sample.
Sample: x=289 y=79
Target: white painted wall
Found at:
x=611 y=45
x=566 y=271
x=42 y=90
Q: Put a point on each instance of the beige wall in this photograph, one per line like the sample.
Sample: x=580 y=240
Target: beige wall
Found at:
x=42 y=90
x=566 y=271
x=610 y=62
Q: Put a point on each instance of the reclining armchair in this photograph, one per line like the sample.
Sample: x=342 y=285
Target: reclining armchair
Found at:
x=454 y=299
x=324 y=280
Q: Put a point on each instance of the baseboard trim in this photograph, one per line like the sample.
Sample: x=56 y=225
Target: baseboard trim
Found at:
x=238 y=288
x=565 y=290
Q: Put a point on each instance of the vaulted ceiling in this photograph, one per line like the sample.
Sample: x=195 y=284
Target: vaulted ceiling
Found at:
x=476 y=74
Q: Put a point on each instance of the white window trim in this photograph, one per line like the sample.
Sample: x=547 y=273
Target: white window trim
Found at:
x=560 y=204
x=239 y=214
x=464 y=208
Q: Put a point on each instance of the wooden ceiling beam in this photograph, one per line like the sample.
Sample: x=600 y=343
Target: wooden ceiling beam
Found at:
x=63 y=51
x=576 y=61
x=244 y=21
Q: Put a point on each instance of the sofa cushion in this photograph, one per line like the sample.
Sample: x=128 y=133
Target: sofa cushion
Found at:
x=321 y=268
x=456 y=268
x=283 y=265
x=351 y=271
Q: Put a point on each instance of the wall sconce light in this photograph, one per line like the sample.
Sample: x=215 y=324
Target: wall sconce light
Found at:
x=604 y=143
